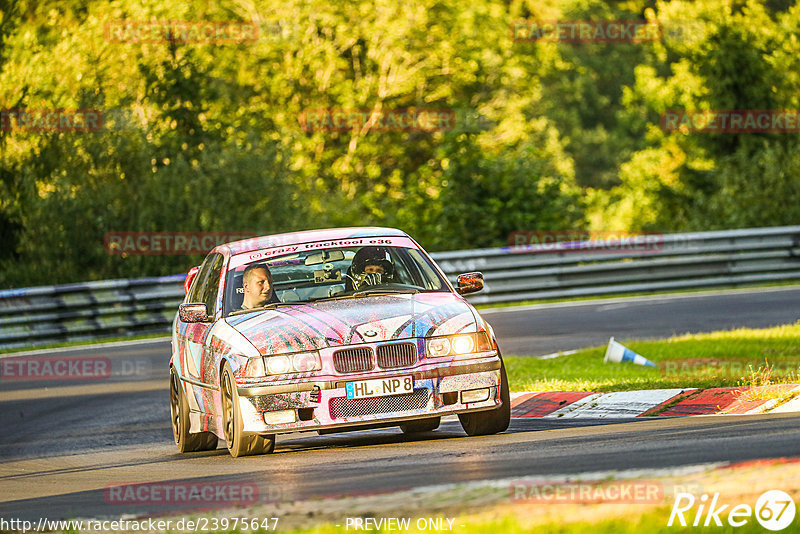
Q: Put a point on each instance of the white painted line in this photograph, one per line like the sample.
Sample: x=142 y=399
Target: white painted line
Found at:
x=566 y=411
x=792 y=405
x=553 y=355
x=645 y=298
x=762 y=408
x=616 y=404
x=788 y=407
x=109 y=345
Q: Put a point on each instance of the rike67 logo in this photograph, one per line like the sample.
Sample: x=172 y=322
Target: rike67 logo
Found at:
x=774 y=510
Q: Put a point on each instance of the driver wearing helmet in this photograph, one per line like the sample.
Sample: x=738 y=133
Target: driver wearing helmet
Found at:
x=369 y=268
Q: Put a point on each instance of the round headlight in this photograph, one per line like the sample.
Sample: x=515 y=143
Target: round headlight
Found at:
x=439 y=346
x=462 y=344
x=304 y=361
x=278 y=365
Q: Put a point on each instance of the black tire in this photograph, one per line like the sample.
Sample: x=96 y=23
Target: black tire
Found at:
x=491 y=421
x=179 y=409
x=423 y=425
x=238 y=443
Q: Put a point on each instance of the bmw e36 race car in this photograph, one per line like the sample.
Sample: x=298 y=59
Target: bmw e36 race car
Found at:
x=328 y=330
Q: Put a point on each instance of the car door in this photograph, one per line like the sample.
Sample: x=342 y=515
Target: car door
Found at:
x=197 y=363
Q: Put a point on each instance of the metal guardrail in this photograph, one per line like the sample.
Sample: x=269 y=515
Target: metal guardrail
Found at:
x=92 y=310
x=85 y=311
x=677 y=261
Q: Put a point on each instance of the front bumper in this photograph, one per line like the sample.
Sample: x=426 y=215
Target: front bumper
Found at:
x=315 y=404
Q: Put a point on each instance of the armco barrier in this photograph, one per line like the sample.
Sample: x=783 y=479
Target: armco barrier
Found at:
x=41 y=315
x=78 y=312
x=681 y=261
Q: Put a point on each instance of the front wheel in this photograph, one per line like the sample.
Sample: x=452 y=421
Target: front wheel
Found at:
x=238 y=443
x=491 y=421
x=179 y=409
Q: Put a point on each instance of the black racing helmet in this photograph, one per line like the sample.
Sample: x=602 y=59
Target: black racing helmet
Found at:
x=372 y=256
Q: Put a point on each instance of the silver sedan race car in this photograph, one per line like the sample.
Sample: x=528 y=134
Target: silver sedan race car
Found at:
x=329 y=330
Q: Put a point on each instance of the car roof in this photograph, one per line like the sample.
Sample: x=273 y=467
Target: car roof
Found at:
x=308 y=236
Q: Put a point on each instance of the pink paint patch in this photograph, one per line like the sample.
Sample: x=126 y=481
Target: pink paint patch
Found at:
x=545 y=403
x=709 y=401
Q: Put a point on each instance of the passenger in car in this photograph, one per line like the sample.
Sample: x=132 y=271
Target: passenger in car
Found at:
x=257 y=285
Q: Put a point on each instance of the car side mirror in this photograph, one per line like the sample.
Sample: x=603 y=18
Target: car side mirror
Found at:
x=193 y=312
x=187 y=282
x=469 y=283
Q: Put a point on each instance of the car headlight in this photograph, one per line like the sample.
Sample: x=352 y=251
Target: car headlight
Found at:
x=301 y=362
x=278 y=365
x=462 y=344
x=458 y=345
x=305 y=361
x=254 y=368
x=438 y=346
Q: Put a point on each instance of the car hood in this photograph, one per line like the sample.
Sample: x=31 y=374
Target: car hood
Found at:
x=372 y=319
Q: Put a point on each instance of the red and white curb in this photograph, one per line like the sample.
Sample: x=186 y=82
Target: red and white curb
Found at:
x=780 y=398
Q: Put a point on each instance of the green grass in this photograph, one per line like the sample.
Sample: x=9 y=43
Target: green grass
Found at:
x=651 y=522
x=662 y=293
x=727 y=358
x=634 y=521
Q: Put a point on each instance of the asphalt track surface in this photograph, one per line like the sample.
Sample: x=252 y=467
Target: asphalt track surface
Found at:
x=65 y=444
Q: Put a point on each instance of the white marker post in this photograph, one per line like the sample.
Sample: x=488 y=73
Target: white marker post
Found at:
x=619 y=353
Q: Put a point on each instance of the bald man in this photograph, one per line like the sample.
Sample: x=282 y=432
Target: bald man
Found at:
x=257 y=284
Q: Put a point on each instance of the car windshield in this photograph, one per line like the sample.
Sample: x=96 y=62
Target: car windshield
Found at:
x=331 y=273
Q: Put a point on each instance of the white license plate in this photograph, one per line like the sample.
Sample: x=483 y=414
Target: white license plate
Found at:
x=379 y=387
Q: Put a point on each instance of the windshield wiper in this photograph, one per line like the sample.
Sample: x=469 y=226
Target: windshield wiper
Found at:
x=364 y=293
x=332 y=297
x=384 y=291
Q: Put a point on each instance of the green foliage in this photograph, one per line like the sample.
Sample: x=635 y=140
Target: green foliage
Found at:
x=732 y=56
x=486 y=196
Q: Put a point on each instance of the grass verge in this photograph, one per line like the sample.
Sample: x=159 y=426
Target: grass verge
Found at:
x=741 y=357
x=561 y=504
x=650 y=522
